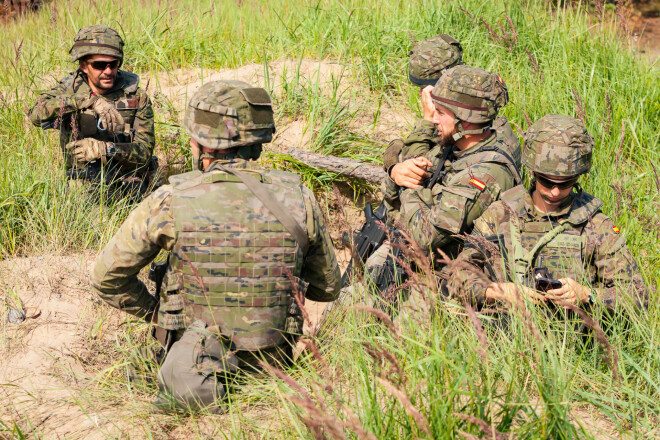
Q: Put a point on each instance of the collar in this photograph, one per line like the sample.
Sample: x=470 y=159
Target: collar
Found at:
x=474 y=148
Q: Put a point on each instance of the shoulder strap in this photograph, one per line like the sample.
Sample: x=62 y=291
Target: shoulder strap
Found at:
x=265 y=196
x=440 y=170
x=522 y=261
x=510 y=163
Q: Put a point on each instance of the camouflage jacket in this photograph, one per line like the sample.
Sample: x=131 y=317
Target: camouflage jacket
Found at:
x=151 y=227
x=474 y=179
x=590 y=249
x=63 y=105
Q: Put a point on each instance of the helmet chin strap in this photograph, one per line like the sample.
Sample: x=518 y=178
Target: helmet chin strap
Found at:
x=460 y=132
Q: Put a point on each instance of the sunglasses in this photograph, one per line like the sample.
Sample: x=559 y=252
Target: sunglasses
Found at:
x=102 y=65
x=547 y=183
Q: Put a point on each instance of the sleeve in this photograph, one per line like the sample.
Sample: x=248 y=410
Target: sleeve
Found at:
x=616 y=270
x=422 y=140
x=57 y=102
x=320 y=268
x=148 y=229
x=137 y=154
x=467 y=276
x=418 y=143
x=434 y=216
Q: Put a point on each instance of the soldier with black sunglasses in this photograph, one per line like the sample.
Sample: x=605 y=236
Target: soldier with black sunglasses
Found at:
x=553 y=232
x=105 y=119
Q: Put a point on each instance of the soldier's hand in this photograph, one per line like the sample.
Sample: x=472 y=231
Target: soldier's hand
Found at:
x=570 y=292
x=87 y=150
x=428 y=108
x=411 y=173
x=111 y=119
x=512 y=293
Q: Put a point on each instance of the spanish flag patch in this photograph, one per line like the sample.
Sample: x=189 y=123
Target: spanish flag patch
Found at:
x=478 y=183
x=616 y=229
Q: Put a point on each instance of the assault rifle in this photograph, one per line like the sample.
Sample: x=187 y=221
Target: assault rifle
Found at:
x=370 y=237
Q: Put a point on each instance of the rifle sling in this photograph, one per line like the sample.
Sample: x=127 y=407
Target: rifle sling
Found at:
x=438 y=174
x=265 y=196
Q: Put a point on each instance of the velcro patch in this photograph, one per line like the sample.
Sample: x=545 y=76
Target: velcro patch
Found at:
x=478 y=183
x=126 y=104
x=616 y=229
x=208 y=119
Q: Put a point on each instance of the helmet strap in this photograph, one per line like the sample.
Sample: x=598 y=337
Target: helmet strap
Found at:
x=461 y=132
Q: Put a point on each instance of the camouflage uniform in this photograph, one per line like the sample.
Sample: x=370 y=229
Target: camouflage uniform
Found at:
x=67 y=105
x=574 y=241
x=474 y=177
x=227 y=297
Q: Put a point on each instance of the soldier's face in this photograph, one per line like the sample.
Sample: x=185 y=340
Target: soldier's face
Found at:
x=101 y=71
x=443 y=119
x=551 y=192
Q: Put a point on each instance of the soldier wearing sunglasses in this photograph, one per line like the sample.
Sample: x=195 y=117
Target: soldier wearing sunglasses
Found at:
x=553 y=232
x=105 y=120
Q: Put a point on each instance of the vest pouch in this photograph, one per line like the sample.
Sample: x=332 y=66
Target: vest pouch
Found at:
x=172 y=304
x=170 y=312
x=295 y=321
x=449 y=212
x=87 y=124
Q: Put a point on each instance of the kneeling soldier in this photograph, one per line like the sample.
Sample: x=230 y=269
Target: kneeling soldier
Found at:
x=556 y=245
x=243 y=240
x=105 y=119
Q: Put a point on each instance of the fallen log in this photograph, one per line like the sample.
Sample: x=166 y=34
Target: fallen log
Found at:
x=340 y=165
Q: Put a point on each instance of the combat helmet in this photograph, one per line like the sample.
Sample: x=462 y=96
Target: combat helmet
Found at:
x=97 y=40
x=558 y=145
x=472 y=94
x=229 y=114
x=429 y=58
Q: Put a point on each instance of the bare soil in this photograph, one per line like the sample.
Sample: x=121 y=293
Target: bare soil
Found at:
x=646 y=27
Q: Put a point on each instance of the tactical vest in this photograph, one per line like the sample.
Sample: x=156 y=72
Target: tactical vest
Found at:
x=86 y=122
x=233 y=262
x=559 y=245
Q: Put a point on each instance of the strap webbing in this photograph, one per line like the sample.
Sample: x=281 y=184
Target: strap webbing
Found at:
x=522 y=261
x=270 y=202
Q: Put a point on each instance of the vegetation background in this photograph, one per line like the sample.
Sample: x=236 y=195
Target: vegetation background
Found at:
x=450 y=376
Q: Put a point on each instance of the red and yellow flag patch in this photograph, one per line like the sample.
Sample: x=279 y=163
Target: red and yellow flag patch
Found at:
x=478 y=183
x=616 y=229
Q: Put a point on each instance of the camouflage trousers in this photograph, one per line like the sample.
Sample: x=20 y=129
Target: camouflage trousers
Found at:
x=199 y=367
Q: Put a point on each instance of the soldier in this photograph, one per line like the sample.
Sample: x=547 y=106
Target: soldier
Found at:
x=427 y=61
x=243 y=240
x=477 y=168
x=554 y=224
x=105 y=120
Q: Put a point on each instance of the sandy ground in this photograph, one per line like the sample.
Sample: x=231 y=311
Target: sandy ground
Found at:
x=51 y=363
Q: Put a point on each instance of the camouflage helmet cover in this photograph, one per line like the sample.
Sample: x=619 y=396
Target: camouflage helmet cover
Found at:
x=97 y=40
x=228 y=114
x=474 y=95
x=558 y=145
x=429 y=58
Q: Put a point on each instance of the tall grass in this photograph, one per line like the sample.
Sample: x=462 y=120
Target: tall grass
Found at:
x=455 y=375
